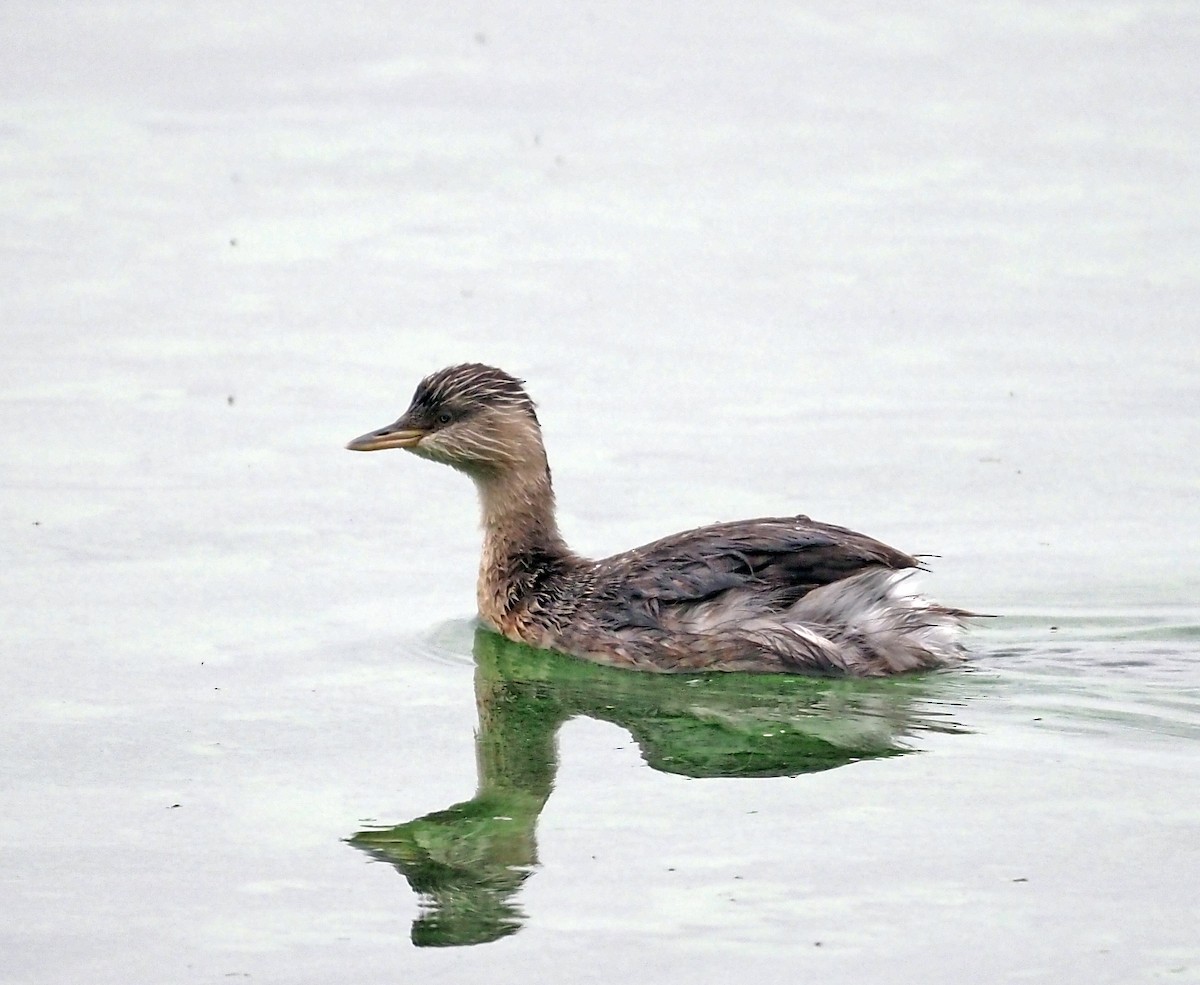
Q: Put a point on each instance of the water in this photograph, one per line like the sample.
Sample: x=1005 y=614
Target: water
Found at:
x=931 y=276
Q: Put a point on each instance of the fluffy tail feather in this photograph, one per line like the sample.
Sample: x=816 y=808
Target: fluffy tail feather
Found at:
x=864 y=626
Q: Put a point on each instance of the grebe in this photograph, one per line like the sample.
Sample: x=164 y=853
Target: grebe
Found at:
x=779 y=594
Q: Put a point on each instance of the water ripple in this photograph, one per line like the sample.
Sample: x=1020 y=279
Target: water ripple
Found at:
x=449 y=644
x=1100 y=676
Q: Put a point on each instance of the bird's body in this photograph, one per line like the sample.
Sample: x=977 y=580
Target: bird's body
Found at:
x=783 y=594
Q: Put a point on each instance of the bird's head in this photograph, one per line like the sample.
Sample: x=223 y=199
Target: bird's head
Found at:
x=475 y=418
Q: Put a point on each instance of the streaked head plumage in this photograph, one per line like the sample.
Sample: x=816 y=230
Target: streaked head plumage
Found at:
x=468 y=385
x=476 y=418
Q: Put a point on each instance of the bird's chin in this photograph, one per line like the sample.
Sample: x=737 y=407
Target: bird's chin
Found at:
x=430 y=451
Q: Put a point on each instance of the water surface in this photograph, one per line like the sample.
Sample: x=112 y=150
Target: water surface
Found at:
x=928 y=275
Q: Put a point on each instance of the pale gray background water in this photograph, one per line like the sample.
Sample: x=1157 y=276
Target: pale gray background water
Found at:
x=932 y=275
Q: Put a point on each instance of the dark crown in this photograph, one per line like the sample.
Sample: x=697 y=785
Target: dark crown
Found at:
x=473 y=383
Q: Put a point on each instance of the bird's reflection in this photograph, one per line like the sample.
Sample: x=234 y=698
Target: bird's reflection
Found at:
x=468 y=861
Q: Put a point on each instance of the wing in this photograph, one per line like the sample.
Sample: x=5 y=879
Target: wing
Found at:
x=734 y=570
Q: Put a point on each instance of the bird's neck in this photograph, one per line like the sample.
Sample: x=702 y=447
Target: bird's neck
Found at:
x=518 y=511
x=520 y=536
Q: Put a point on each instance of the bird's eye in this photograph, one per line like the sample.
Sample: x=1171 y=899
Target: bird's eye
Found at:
x=444 y=417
